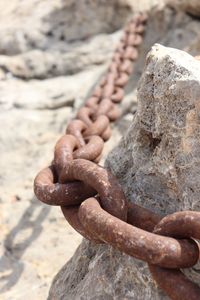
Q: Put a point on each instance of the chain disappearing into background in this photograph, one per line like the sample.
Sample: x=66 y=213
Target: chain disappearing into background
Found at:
x=91 y=198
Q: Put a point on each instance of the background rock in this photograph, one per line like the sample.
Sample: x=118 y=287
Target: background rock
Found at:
x=157 y=163
x=53 y=23
x=44 y=78
x=192 y=6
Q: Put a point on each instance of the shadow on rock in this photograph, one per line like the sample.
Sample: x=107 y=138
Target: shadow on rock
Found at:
x=18 y=240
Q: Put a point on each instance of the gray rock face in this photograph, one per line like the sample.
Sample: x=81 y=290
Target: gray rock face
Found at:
x=157 y=163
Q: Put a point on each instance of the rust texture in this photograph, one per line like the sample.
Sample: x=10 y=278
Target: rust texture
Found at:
x=92 y=200
x=150 y=247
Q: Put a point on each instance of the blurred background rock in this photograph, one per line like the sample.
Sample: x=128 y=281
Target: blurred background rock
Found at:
x=51 y=55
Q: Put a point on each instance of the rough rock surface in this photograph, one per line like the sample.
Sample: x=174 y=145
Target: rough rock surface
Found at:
x=49 y=61
x=157 y=163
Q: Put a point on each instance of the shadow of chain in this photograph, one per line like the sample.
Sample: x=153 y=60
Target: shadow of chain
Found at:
x=10 y=263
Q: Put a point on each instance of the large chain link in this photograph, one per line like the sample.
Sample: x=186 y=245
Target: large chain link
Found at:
x=92 y=200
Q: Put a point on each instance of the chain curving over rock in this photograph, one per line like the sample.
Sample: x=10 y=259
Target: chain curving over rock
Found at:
x=92 y=200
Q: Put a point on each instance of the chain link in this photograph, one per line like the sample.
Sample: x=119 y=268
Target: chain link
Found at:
x=92 y=200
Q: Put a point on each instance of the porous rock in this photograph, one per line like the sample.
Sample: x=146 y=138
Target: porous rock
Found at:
x=157 y=163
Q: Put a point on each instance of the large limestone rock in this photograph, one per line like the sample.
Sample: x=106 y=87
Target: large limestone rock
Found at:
x=157 y=163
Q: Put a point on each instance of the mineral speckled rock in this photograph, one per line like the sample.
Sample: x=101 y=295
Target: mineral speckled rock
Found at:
x=157 y=164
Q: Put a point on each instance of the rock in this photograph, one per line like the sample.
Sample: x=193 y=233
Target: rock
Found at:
x=52 y=93
x=53 y=23
x=169 y=28
x=55 y=40
x=44 y=78
x=71 y=57
x=76 y=58
x=192 y=6
x=157 y=164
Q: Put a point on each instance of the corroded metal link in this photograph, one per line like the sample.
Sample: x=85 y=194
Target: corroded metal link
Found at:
x=114 y=113
x=108 y=108
x=106 y=134
x=155 y=249
x=92 y=102
x=184 y=224
x=66 y=149
x=133 y=39
x=143 y=17
x=107 y=186
x=141 y=217
x=135 y=25
x=47 y=188
x=111 y=76
x=92 y=150
x=99 y=127
x=180 y=224
x=118 y=95
x=63 y=153
x=104 y=107
x=88 y=147
x=113 y=69
x=107 y=90
x=120 y=49
x=126 y=66
x=116 y=58
x=140 y=29
x=130 y=53
x=122 y=80
x=107 y=83
x=49 y=191
x=175 y=284
x=85 y=115
x=71 y=215
x=76 y=128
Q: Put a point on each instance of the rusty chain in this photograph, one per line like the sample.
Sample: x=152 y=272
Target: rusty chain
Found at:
x=92 y=200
